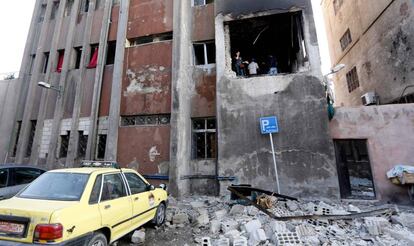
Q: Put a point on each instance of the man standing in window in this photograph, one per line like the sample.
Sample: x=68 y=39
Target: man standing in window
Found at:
x=253 y=67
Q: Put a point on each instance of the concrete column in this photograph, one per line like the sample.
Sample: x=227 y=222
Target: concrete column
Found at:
x=103 y=44
x=60 y=102
x=74 y=138
x=180 y=143
x=115 y=105
x=25 y=129
x=34 y=158
x=7 y=136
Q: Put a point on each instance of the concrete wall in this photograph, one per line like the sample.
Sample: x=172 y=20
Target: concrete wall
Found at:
x=389 y=130
x=8 y=109
x=382 y=48
x=304 y=150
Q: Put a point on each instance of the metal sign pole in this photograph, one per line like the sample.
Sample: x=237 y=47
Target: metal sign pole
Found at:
x=274 y=162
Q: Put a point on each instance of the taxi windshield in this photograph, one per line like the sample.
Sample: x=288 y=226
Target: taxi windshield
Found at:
x=56 y=186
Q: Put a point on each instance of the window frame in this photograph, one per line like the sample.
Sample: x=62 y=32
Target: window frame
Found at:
x=352 y=79
x=346 y=39
x=204 y=43
x=13 y=172
x=125 y=184
x=205 y=132
x=8 y=170
x=140 y=178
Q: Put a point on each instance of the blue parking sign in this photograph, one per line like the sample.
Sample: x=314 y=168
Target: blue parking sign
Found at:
x=269 y=125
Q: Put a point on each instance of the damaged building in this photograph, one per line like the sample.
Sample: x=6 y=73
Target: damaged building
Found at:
x=372 y=128
x=152 y=84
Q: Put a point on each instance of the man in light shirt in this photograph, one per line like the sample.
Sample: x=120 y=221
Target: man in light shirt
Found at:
x=253 y=67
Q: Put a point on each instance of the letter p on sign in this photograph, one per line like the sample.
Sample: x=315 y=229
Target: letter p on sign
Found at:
x=269 y=125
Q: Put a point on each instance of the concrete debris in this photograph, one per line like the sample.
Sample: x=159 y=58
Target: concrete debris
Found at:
x=219 y=221
x=138 y=237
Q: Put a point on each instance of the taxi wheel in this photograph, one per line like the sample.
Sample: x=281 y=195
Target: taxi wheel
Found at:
x=98 y=239
x=159 y=218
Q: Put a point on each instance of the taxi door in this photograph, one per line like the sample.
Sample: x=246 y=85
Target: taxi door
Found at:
x=142 y=204
x=115 y=205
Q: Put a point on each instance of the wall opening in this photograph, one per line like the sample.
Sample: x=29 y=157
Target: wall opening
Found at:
x=275 y=42
x=159 y=37
x=55 y=8
x=100 y=147
x=82 y=143
x=204 y=53
x=64 y=145
x=31 y=138
x=17 y=130
x=78 y=55
x=45 y=61
x=146 y=120
x=354 y=169
x=110 y=55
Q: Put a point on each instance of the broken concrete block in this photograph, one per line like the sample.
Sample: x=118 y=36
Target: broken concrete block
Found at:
x=206 y=241
x=305 y=231
x=203 y=219
x=375 y=225
x=287 y=238
x=292 y=206
x=229 y=225
x=223 y=242
x=197 y=204
x=257 y=237
x=138 y=237
x=240 y=241
x=278 y=226
x=231 y=235
x=252 y=211
x=237 y=209
x=220 y=214
x=215 y=226
x=311 y=241
x=252 y=226
x=180 y=218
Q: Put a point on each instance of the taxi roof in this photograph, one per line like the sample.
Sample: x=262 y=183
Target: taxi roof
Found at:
x=89 y=170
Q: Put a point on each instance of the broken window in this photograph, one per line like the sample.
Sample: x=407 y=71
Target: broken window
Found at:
x=16 y=137
x=45 y=61
x=69 y=6
x=94 y=56
x=85 y=5
x=32 y=60
x=82 y=143
x=42 y=13
x=55 y=8
x=202 y=2
x=141 y=120
x=110 y=55
x=204 y=53
x=150 y=39
x=352 y=79
x=204 y=138
x=275 y=42
x=61 y=55
x=404 y=99
x=100 y=147
x=337 y=4
x=31 y=138
x=64 y=145
x=354 y=169
x=346 y=39
x=78 y=55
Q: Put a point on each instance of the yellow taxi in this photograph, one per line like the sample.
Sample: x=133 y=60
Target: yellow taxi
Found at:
x=94 y=205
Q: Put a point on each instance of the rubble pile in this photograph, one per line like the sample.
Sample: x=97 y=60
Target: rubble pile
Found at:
x=224 y=222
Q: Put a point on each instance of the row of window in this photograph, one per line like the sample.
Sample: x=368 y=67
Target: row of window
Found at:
x=84 y=7
x=76 y=60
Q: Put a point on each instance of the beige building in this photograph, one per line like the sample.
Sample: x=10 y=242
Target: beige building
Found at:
x=374 y=39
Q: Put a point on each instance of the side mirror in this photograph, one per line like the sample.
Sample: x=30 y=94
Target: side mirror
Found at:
x=163 y=186
x=150 y=187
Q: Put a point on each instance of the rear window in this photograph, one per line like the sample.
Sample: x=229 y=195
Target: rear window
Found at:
x=56 y=186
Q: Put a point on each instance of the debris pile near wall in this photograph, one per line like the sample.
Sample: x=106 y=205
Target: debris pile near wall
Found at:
x=221 y=221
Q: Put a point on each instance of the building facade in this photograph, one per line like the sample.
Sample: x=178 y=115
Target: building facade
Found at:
x=374 y=39
x=152 y=84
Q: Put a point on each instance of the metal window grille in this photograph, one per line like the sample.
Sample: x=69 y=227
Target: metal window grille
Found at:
x=204 y=138
x=31 y=137
x=346 y=39
x=352 y=79
x=82 y=143
x=141 y=120
x=64 y=145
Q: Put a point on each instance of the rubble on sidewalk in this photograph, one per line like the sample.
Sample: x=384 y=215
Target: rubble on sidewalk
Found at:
x=219 y=221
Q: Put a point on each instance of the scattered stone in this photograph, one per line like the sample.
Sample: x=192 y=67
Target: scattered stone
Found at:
x=223 y=242
x=138 y=237
x=180 y=218
x=404 y=219
x=206 y=241
x=229 y=225
x=215 y=226
x=375 y=225
x=401 y=235
x=278 y=226
x=203 y=219
x=237 y=209
x=252 y=211
x=305 y=231
x=231 y=235
x=353 y=209
x=240 y=241
x=220 y=214
x=288 y=238
x=252 y=226
x=197 y=204
x=292 y=206
x=257 y=237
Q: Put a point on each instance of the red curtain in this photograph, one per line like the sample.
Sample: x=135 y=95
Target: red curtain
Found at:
x=60 y=61
x=94 y=59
